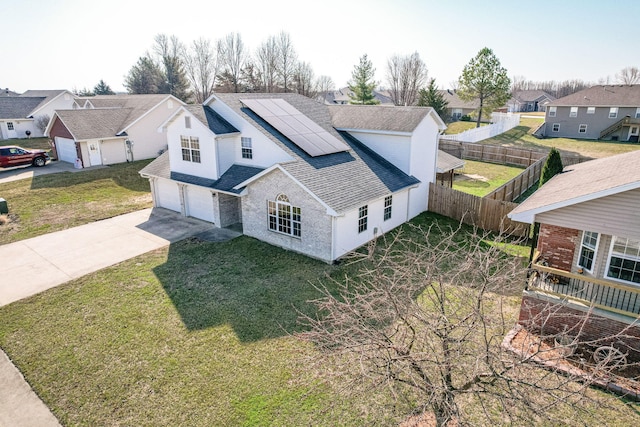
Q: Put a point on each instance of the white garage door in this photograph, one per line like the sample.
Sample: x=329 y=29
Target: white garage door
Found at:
x=199 y=203
x=167 y=195
x=66 y=149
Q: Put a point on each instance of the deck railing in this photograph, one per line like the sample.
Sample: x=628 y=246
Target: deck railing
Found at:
x=603 y=294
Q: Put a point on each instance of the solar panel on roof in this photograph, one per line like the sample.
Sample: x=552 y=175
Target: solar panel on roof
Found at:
x=300 y=129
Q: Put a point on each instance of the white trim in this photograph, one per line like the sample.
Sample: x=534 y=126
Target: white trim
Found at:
x=615 y=114
x=553 y=129
x=553 y=111
x=529 y=215
x=40 y=107
x=573 y=113
x=605 y=273
x=591 y=110
x=580 y=130
x=168 y=97
x=595 y=251
x=380 y=132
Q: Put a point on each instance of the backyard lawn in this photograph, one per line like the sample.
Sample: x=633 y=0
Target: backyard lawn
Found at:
x=521 y=137
x=57 y=201
x=480 y=178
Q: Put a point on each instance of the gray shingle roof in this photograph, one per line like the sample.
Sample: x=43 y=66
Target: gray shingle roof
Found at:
x=602 y=96
x=377 y=117
x=213 y=120
x=235 y=175
x=447 y=162
x=454 y=101
x=531 y=95
x=342 y=180
x=98 y=123
x=16 y=107
x=137 y=104
x=585 y=179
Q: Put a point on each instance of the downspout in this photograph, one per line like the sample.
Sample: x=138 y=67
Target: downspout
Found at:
x=334 y=226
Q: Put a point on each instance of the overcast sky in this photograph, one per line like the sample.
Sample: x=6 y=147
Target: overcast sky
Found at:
x=66 y=44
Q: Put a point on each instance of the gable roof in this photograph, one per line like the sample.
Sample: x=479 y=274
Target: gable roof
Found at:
x=454 y=101
x=447 y=162
x=48 y=95
x=90 y=124
x=582 y=182
x=16 y=107
x=342 y=180
x=531 y=95
x=138 y=105
x=602 y=96
x=380 y=117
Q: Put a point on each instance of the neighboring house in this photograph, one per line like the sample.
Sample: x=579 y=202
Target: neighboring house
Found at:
x=341 y=97
x=108 y=129
x=20 y=114
x=456 y=107
x=529 y=100
x=587 y=252
x=7 y=92
x=609 y=112
x=316 y=179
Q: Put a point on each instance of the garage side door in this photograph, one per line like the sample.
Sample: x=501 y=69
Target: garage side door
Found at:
x=168 y=195
x=200 y=203
x=66 y=149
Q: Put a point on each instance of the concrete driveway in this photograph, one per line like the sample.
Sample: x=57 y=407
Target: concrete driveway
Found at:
x=22 y=172
x=34 y=265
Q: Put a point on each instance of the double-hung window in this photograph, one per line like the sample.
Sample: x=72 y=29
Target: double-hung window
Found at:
x=283 y=217
x=588 y=250
x=613 y=112
x=624 y=260
x=363 y=213
x=638 y=113
x=190 y=148
x=388 y=201
x=247 y=148
x=552 y=111
x=582 y=128
x=591 y=110
x=573 y=112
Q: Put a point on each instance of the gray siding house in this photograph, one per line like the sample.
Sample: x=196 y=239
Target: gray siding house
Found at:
x=606 y=112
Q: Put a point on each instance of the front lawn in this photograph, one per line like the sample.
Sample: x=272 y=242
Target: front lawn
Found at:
x=53 y=202
x=521 y=137
x=480 y=178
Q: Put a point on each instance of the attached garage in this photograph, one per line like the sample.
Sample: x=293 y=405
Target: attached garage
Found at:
x=66 y=149
x=167 y=194
x=199 y=202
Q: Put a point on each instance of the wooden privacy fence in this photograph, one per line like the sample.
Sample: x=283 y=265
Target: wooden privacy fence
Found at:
x=487 y=214
x=513 y=189
x=492 y=153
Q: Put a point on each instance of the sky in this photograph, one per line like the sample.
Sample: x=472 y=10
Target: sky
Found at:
x=72 y=44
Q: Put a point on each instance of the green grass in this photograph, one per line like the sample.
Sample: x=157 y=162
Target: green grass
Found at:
x=198 y=334
x=521 y=137
x=460 y=126
x=57 y=201
x=495 y=175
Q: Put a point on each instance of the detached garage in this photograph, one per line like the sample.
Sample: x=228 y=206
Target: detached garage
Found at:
x=65 y=149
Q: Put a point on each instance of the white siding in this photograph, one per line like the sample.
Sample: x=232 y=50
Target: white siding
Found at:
x=346 y=235
x=617 y=215
x=167 y=195
x=208 y=166
x=199 y=203
x=112 y=150
x=394 y=148
x=144 y=133
x=66 y=149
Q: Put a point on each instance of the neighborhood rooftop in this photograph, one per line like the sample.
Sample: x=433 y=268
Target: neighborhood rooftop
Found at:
x=16 y=107
x=602 y=96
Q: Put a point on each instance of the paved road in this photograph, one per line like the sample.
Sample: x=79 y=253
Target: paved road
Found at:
x=22 y=172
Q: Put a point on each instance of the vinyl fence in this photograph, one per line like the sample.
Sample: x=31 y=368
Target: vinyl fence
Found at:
x=500 y=123
x=482 y=212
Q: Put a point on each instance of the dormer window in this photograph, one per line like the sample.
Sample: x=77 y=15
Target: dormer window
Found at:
x=247 y=148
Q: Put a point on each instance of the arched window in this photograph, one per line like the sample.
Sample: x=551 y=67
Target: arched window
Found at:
x=283 y=217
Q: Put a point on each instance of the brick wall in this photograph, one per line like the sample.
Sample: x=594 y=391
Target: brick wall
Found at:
x=557 y=245
x=549 y=319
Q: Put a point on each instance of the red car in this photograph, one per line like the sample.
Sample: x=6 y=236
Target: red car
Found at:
x=12 y=155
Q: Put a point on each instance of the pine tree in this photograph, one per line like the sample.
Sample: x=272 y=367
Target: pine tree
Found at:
x=552 y=166
x=485 y=80
x=362 y=83
x=145 y=77
x=102 y=89
x=431 y=97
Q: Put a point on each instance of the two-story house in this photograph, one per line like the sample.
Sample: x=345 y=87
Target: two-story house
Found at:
x=607 y=112
x=586 y=269
x=316 y=179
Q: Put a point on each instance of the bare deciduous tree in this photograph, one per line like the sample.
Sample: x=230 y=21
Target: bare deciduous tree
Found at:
x=171 y=53
x=267 y=61
x=304 y=80
x=628 y=76
x=425 y=318
x=406 y=75
x=287 y=59
x=202 y=64
x=42 y=121
x=234 y=59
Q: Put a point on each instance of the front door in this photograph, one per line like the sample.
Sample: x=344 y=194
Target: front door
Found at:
x=634 y=132
x=94 y=153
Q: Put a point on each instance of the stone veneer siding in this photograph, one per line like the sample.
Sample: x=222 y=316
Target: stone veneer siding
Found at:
x=316 y=224
x=557 y=245
x=546 y=318
x=229 y=210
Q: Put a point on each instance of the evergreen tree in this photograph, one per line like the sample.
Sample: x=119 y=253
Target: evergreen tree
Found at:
x=431 y=97
x=145 y=77
x=102 y=89
x=484 y=79
x=552 y=166
x=169 y=51
x=362 y=83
